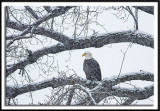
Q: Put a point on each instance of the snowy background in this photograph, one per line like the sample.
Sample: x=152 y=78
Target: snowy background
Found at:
x=109 y=57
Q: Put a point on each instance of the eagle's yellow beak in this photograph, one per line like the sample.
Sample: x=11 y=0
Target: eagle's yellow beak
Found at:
x=83 y=55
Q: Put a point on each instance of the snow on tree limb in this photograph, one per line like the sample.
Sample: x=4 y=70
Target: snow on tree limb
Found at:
x=97 y=41
x=99 y=93
x=54 y=83
x=139 y=94
x=107 y=88
x=37 y=30
x=54 y=13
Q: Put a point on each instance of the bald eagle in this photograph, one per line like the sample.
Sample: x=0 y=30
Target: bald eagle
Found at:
x=91 y=67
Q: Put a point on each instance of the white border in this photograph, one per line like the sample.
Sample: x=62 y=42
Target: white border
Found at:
x=155 y=4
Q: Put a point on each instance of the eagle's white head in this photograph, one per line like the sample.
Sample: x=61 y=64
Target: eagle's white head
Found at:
x=87 y=55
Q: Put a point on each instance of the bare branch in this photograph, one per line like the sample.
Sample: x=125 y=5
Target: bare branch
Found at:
x=31 y=12
x=21 y=36
x=7 y=12
x=147 y=9
x=124 y=54
x=17 y=38
x=56 y=12
x=70 y=96
x=77 y=86
x=129 y=101
x=37 y=30
x=135 y=19
x=47 y=8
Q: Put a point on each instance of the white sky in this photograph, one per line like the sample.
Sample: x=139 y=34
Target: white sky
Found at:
x=109 y=56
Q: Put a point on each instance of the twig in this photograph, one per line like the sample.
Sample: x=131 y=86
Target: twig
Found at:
x=77 y=86
x=134 y=17
x=124 y=54
x=129 y=101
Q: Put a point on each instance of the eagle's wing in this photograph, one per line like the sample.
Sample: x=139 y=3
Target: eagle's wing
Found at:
x=92 y=69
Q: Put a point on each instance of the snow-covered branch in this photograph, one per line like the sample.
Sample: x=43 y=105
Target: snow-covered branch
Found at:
x=94 y=41
x=56 y=12
x=108 y=88
x=37 y=30
x=54 y=83
x=103 y=90
x=138 y=93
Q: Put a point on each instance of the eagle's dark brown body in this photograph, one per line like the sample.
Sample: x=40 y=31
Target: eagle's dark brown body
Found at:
x=92 y=69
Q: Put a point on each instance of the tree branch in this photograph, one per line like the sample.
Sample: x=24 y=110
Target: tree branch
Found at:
x=21 y=36
x=99 y=93
x=107 y=88
x=7 y=13
x=139 y=94
x=134 y=17
x=90 y=98
x=70 y=96
x=147 y=9
x=12 y=91
x=129 y=101
x=37 y=30
x=56 y=12
x=31 y=12
x=47 y=8
x=94 y=41
x=17 y=38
